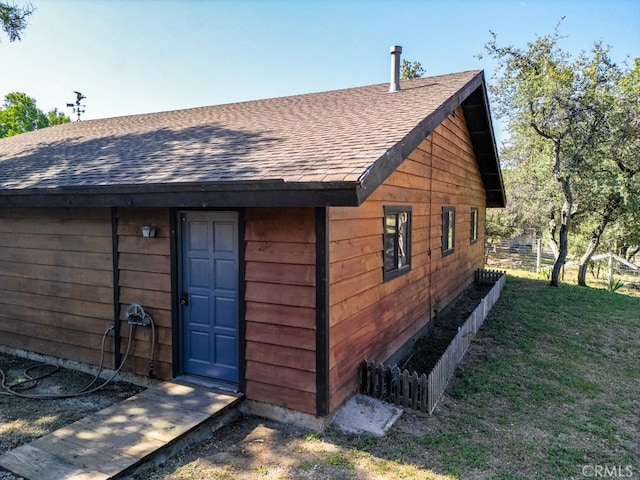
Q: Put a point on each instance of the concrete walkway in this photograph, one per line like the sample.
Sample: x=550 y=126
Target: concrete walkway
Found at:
x=110 y=443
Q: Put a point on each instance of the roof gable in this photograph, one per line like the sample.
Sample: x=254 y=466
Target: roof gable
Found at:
x=330 y=148
x=472 y=97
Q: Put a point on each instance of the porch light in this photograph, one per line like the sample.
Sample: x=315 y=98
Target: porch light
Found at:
x=148 y=231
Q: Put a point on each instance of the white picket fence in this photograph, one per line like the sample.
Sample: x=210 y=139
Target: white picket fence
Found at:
x=422 y=392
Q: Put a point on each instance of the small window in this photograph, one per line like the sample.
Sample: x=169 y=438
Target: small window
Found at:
x=474 y=224
x=397 y=241
x=448 y=230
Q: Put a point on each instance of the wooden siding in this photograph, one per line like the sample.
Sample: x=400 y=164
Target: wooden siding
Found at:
x=56 y=281
x=280 y=307
x=456 y=182
x=370 y=318
x=144 y=272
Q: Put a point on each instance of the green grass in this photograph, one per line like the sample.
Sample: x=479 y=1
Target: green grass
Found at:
x=549 y=385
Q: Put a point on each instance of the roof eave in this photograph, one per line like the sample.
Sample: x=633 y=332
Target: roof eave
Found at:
x=478 y=119
x=274 y=193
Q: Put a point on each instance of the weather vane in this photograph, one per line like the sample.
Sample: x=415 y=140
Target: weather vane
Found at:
x=77 y=108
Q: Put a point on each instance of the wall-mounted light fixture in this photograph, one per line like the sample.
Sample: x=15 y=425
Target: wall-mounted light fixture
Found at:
x=148 y=231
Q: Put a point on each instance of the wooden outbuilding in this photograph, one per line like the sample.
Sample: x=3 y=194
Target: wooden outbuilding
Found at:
x=294 y=237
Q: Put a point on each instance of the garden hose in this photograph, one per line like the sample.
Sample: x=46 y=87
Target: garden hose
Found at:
x=15 y=390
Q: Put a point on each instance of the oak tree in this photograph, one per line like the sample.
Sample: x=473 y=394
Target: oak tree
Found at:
x=573 y=113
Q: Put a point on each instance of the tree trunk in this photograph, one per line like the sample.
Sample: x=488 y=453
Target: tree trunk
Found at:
x=608 y=214
x=586 y=258
x=563 y=244
x=591 y=249
x=567 y=206
x=553 y=243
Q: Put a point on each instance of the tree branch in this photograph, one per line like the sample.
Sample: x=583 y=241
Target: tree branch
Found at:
x=14 y=19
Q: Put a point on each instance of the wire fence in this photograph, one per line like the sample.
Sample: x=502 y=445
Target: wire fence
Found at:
x=606 y=268
x=530 y=256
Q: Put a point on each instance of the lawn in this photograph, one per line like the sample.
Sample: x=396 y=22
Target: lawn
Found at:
x=549 y=389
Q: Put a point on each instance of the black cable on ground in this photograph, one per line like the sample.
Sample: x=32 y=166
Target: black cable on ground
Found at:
x=11 y=389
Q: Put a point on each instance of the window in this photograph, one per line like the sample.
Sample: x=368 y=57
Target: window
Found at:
x=474 y=224
x=448 y=230
x=397 y=241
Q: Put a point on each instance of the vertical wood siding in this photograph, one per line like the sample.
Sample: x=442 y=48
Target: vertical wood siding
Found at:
x=144 y=266
x=370 y=318
x=56 y=281
x=280 y=307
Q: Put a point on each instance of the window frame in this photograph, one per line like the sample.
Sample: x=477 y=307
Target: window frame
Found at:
x=396 y=210
x=448 y=224
x=474 y=233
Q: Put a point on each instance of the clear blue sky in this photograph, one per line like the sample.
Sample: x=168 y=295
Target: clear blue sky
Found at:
x=149 y=55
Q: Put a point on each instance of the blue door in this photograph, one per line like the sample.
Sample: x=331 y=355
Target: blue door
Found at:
x=209 y=297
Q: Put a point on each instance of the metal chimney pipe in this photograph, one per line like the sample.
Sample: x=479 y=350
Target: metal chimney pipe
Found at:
x=394 y=85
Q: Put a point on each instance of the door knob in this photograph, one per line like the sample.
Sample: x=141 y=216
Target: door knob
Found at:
x=184 y=301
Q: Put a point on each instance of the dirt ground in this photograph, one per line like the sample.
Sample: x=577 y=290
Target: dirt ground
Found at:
x=249 y=448
x=23 y=420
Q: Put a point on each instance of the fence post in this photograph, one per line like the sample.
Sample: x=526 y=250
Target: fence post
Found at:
x=538 y=255
x=424 y=392
x=405 y=388
x=396 y=382
x=610 y=270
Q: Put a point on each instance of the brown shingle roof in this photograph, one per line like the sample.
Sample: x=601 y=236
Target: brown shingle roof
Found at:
x=309 y=141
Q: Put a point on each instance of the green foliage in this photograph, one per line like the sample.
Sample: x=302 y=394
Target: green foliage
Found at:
x=409 y=70
x=20 y=114
x=526 y=166
x=14 y=19
x=545 y=272
x=614 y=285
x=624 y=236
x=56 y=117
x=336 y=459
